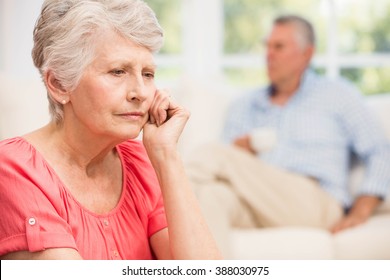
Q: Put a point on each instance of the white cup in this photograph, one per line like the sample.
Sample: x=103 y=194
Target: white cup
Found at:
x=263 y=139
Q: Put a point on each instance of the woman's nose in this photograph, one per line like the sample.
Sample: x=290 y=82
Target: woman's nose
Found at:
x=135 y=89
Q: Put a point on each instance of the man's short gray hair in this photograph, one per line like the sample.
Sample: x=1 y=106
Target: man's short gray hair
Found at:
x=65 y=32
x=305 y=31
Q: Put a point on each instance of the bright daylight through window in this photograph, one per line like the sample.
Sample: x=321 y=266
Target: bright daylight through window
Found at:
x=353 y=38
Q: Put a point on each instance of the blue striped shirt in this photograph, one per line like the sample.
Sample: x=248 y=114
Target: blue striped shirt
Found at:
x=318 y=130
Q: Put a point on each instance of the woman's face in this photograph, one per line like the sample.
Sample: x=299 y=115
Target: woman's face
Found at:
x=115 y=90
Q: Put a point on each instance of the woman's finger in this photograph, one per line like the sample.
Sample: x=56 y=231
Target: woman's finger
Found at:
x=159 y=107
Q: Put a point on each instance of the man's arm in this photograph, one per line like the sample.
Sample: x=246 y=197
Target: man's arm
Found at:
x=369 y=143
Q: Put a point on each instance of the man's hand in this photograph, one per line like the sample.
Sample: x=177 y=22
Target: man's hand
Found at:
x=361 y=210
x=243 y=142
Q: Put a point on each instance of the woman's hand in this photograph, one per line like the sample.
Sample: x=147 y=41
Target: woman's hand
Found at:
x=166 y=123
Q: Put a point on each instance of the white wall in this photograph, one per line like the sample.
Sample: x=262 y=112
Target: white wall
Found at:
x=18 y=19
x=23 y=102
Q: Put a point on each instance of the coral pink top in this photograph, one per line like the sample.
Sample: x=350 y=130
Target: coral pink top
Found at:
x=38 y=212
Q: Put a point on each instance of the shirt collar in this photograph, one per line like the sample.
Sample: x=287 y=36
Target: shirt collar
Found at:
x=306 y=79
x=263 y=96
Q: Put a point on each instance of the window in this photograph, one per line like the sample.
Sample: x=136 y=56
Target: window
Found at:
x=364 y=43
x=169 y=16
x=352 y=39
x=223 y=37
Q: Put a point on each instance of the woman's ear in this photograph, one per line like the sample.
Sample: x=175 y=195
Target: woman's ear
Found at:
x=56 y=90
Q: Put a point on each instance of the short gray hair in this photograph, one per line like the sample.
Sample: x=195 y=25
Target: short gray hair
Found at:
x=66 y=29
x=305 y=31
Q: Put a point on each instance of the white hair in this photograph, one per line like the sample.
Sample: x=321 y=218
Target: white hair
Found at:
x=66 y=29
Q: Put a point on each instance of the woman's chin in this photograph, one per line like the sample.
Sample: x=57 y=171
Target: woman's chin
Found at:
x=132 y=135
x=124 y=133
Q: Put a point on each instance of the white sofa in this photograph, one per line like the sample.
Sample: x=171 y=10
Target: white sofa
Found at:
x=23 y=107
x=208 y=104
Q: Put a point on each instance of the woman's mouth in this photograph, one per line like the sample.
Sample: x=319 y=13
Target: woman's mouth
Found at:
x=132 y=115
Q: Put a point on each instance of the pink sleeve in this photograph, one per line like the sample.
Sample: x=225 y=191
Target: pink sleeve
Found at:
x=32 y=218
x=155 y=209
x=157 y=218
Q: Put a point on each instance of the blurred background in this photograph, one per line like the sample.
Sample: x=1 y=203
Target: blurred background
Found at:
x=222 y=39
x=213 y=42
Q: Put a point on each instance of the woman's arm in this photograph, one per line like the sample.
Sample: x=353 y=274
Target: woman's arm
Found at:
x=48 y=254
x=188 y=236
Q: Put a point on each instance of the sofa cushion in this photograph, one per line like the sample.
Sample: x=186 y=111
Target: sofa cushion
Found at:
x=208 y=103
x=282 y=243
x=370 y=240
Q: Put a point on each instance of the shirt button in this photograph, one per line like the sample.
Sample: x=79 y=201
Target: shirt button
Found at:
x=106 y=223
x=116 y=254
x=31 y=221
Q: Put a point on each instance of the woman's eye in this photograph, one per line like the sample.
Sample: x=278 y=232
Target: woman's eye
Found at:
x=117 y=72
x=149 y=75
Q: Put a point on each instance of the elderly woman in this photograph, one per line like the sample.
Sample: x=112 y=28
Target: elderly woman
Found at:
x=81 y=186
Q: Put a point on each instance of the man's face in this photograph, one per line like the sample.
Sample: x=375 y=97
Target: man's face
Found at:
x=286 y=57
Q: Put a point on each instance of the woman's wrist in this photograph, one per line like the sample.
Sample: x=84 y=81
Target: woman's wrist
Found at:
x=163 y=156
